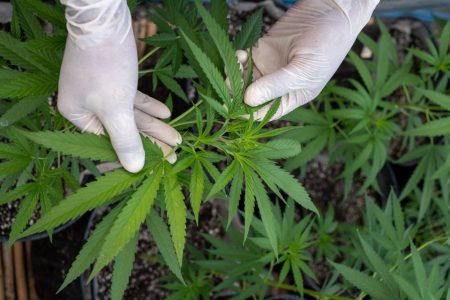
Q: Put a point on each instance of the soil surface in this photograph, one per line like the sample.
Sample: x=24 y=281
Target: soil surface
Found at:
x=8 y=214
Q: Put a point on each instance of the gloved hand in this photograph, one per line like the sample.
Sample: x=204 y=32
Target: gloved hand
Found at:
x=98 y=82
x=302 y=51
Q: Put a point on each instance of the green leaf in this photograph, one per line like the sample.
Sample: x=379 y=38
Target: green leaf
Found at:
x=15 y=84
x=250 y=31
x=129 y=220
x=21 y=109
x=408 y=288
x=16 y=193
x=173 y=86
x=46 y=12
x=215 y=105
x=311 y=150
x=285 y=181
x=432 y=128
x=160 y=232
x=363 y=70
x=359 y=160
x=161 y=39
x=440 y=99
x=227 y=52
x=377 y=262
x=91 y=249
x=298 y=279
x=123 y=266
x=364 y=282
x=419 y=271
x=176 y=212
x=279 y=149
x=249 y=202
x=212 y=73
x=197 y=186
x=219 y=12
x=26 y=210
x=85 y=199
x=266 y=211
x=416 y=176
x=224 y=178
x=14 y=51
x=235 y=196
x=84 y=145
x=13 y=166
x=27 y=21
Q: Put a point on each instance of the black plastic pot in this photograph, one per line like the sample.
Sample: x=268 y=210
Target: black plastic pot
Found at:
x=42 y=235
x=51 y=261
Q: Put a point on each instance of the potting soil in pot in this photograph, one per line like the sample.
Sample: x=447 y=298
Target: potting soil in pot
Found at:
x=8 y=214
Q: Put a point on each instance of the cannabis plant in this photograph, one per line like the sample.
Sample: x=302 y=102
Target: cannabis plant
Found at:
x=364 y=121
x=221 y=130
x=397 y=268
x=28 y=79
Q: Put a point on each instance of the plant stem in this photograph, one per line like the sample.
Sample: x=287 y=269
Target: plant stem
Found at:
x=423 y=246
x=144 y=58
x=312 y=293
x=174 y=121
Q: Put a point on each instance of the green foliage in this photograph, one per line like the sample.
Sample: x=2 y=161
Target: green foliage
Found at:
x=123 y=265
x=226 y=154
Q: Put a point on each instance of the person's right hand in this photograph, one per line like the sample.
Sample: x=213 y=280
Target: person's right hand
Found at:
x=302 y=51
x=98 y=82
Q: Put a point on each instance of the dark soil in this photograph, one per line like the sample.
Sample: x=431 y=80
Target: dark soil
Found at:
x=8 y=214
x=322 y=183
x=146 y=279
x=407 y=34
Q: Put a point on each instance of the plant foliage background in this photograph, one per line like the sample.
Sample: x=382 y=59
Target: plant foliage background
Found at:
x=401 y=250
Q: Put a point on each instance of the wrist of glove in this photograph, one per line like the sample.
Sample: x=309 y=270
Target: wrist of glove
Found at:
x=98 y=82
x=302 y=51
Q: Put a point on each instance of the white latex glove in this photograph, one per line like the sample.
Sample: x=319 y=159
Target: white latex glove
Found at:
x=302 y=51
x=98 y=82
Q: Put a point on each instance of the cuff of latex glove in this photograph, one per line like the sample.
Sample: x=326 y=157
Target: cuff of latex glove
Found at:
x=91 y=22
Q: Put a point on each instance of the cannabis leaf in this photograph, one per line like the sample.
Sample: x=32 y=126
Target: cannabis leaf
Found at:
x=176 y=212
x=84 y=145
x=129 y=220
x=93 y=195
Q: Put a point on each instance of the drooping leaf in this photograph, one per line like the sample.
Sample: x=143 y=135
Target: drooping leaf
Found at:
x=285 y=181
x=160 y=232
x=235 y=196
x=432 y=128
x=123 y=266
x=21 y=109
x=91 y=249
x=26 y=210
x=84 y=145
x=364 y=282
x=249 y=202
x=176 y=212
x=266 y=211
x=224 y=178
x=129 y=220
x=85 y=199
x=197 y=186
x=15 y=84
x=279 y=149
